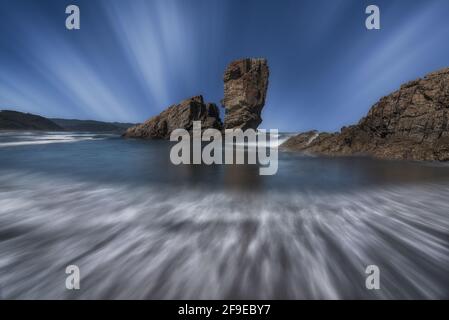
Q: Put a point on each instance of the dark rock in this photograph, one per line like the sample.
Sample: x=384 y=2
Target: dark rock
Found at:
x=411 y=123
x=245 y=89
x=179 y=116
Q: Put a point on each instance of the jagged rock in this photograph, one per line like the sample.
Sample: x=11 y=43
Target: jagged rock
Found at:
x=411 y=123
x=179 y=116
x=245 y=89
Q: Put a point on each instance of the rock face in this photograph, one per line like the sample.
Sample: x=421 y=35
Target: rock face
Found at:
x=13 y=120
x=410 y=124
x=179 y=116
x=245 y=89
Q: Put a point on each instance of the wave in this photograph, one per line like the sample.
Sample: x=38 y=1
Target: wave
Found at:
x=27 y=139
x=270 y=142
x=153 y=242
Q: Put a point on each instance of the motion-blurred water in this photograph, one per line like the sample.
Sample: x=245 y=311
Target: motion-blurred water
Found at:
x=139 y=227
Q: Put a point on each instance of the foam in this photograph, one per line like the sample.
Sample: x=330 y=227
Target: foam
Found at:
x=166 y=242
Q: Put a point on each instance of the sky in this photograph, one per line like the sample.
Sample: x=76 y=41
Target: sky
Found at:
x=132 y=59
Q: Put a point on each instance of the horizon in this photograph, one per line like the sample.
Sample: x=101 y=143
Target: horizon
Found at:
x=221 y=115
x=129 y=62
x=53 y=118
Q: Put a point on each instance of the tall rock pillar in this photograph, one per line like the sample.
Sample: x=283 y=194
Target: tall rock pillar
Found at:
x=245 y=90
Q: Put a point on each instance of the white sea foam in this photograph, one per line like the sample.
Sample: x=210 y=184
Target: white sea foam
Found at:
x=25 y=139
x=312 y=138
x=273 y=143
x=168 y=242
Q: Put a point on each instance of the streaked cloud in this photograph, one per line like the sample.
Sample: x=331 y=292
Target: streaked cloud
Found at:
x=132 y=59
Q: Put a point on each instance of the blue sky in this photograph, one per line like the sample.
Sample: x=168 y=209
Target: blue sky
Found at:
x=131 y=59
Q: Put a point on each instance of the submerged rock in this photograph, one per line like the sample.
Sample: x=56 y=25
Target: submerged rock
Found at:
x=178 y=116
x=245 y=89
x=411 y=124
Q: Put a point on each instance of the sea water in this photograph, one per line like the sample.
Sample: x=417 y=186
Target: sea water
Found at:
x=139 y=227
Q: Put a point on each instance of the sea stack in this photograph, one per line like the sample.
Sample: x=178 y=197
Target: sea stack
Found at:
x=178 y=116
x=245 y=89
x=409 y=124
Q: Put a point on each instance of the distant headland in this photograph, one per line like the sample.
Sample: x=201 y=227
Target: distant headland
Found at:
x=14 y=120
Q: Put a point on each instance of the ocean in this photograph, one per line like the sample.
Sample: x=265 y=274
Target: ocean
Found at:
x=139 y=227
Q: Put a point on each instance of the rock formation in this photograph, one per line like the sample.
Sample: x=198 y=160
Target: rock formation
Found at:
x=411 y=124
x=179 y=116
x=245 y=89
x=245 y=83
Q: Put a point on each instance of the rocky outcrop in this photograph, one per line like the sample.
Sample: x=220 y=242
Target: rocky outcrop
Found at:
x=411 y=124
x=245 y=89
x=245 y=83
x=179 y=116
x=14 y=120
